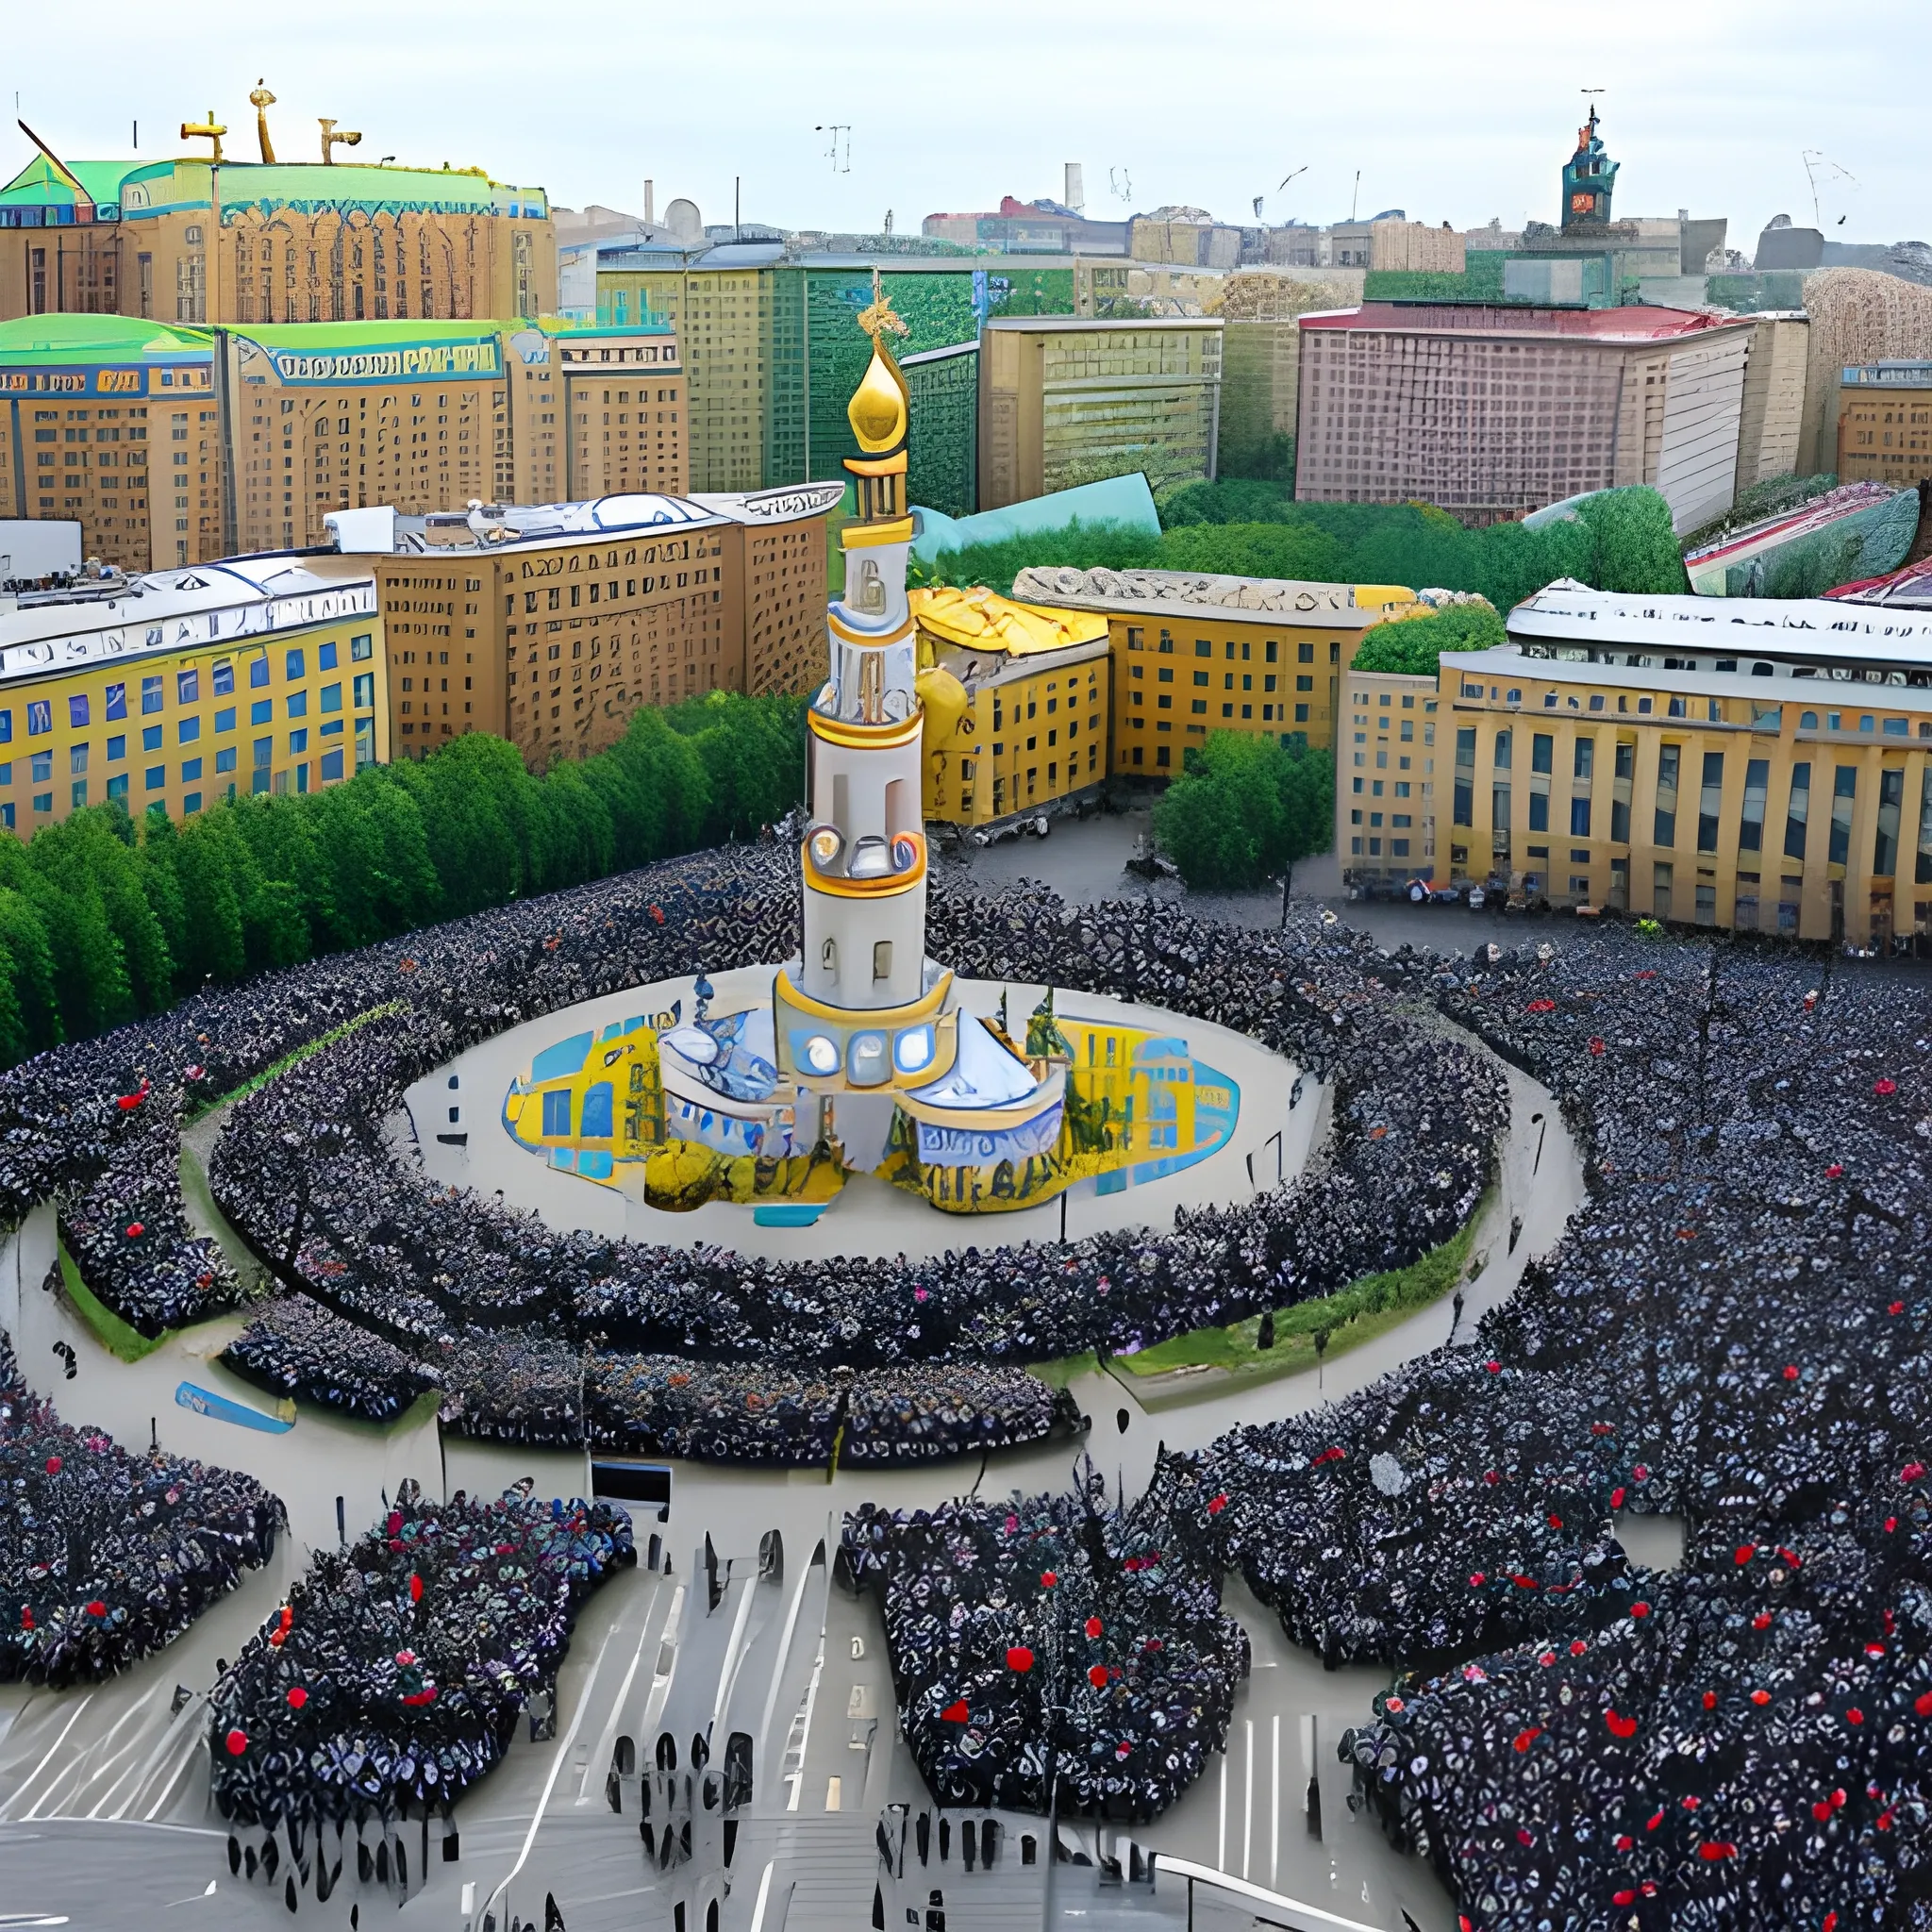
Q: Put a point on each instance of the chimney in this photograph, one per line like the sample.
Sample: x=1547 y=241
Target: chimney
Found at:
x=1075 y=194
x=650 y=204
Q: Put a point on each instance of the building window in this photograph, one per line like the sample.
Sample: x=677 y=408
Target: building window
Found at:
x=1844 y=794
x=1757 y=787
x=1892 y=794
x=1798 y=812
x=152 y=695
x=1664 y=829
x=1465 y=776
x=1710 y=798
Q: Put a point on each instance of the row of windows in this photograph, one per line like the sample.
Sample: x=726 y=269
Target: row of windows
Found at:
x=40 y=711
x=1710 y=783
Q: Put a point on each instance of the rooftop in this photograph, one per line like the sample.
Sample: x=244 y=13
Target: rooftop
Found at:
x=383 y=532
x=1162 y=592
x=173 y=611
x=1813 y=630
x=33 y=339
x=984 y=621
x=142 y=188
x=1631 y=325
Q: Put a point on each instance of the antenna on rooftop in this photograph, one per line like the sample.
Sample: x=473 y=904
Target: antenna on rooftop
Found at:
x=840 y=153
x=1816 y=160
x=1120 y=184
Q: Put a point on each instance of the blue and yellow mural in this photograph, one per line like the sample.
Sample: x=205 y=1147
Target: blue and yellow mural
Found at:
x=1137 y=1107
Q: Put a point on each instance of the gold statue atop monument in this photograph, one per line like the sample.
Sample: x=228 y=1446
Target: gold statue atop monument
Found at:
x=261 y=101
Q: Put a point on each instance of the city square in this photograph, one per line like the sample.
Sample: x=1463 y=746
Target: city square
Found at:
x=1072 y=1071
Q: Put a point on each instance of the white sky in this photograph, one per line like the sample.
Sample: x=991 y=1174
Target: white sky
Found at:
x=1454 y=109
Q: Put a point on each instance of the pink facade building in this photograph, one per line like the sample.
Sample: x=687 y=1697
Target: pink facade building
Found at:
x=1492 y=411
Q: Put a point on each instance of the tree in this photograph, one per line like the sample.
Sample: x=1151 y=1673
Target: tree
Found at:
x=1413 y=646
x=1304 y=784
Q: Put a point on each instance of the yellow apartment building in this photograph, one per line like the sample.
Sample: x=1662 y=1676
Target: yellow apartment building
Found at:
x=1385 y=776
x=1022 y=727
x=1885 y=424
x=252 y=676
x=1752 y=764
x=1195 y=653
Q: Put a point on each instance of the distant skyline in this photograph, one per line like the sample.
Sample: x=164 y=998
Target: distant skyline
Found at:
x=1454 y=114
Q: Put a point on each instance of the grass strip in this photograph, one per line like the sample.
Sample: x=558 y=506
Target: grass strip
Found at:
x=1348 y=1317
x=125 y=1343
x=290 y=1059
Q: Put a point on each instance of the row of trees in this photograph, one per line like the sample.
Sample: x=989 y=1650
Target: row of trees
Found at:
x=103 y=918
x=1246 y=809
x=1619 y=540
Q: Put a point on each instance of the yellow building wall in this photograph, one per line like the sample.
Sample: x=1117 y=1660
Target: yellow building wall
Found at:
x=1698 y=863
x=188 y=726
x=1884 y=435
x=1036 y=736
x=1204 y=668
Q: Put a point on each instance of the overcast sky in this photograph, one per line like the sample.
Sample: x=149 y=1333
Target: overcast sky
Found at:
x=1455 y=112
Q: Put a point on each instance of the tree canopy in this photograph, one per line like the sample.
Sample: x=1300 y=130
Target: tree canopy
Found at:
x=1617 y=539
x=1414 y=645
x=1245 y=808
x=104 y=918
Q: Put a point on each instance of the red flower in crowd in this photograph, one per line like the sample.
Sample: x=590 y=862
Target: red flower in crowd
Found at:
x=1217 y=1505
x=237 y=1742
x=1048 y=1578
x=1096 y=1676
x=1790 y=1371
x=1526 y=1739
x=1885 y=1088
x=1834 y=1171
x=1596 y=1046
x=52 y=1465
x=1619 y=1726
x=135 y=1230
x=1020 y=1658
x=297 y=1697
x=1094 y=1626
x=956 y=1713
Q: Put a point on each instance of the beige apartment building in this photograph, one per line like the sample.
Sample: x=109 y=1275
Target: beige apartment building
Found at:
x=1746 y=763
x=1385 y=776
x=1064 y=400
x=550 y=624
x=122 y=425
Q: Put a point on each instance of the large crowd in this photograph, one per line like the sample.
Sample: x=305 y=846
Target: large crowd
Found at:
x=106 y=1555
x=552 y=1337
x=1734 y=1329
x=1055 y=1650
x=393 y=1677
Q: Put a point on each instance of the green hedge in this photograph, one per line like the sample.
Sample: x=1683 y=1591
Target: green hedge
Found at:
x=1619 y=539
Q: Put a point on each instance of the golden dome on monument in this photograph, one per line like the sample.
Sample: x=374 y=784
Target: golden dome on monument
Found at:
x=877 y=410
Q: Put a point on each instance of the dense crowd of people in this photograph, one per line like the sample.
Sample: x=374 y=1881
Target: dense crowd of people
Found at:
x=393 y=1677
x=501 y=1310
x=106 y=1557
x=297 y=1347
x=1055 y=1650
x=1734 y=1329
